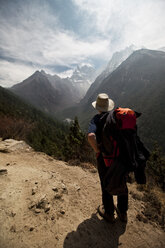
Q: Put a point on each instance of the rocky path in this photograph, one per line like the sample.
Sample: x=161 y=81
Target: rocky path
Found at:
x=45 y=203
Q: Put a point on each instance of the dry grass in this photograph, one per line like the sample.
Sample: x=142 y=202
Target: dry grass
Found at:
x=154 y=202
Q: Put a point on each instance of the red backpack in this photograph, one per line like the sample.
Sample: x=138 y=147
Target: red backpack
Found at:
x=122 y=149
x=126 y=118
x=119 y=137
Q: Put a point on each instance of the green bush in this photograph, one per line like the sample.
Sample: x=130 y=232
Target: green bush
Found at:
x=156 y=168
x=76 y=146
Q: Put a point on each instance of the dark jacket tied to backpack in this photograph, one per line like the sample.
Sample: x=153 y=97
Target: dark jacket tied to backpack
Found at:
x=122 y=149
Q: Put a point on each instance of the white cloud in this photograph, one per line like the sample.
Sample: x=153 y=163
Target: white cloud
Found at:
x=27 y=37
x=64 y=48
x=32 y=39
x=127 y=22
x=33 y=34
x=12 y=73
x=65 y=74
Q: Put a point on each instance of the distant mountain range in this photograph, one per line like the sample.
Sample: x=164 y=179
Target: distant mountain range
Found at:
x=134 y=79
x=52 y=93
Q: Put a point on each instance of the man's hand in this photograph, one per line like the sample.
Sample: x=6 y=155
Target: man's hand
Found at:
x=92 y=141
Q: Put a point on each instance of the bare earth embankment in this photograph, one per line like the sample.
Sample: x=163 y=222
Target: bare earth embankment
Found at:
x=45 y=203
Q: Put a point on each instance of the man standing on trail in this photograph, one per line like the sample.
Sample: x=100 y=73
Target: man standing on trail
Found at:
x=103 y=104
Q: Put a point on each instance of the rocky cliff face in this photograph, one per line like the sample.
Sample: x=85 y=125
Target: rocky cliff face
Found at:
x=48 y=203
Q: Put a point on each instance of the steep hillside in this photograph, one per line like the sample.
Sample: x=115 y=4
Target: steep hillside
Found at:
x=47 y=203
x=138 y=83
x=22 y=121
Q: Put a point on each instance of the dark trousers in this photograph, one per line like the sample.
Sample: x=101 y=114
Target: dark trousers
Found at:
x=107 y=199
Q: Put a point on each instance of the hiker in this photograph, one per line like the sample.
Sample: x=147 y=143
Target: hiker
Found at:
x=103 y=105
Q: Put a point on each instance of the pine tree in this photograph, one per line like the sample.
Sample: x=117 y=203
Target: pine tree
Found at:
x=76 y=145
x=73 y=141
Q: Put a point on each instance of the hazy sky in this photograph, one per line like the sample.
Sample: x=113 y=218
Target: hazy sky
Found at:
x=56 y=35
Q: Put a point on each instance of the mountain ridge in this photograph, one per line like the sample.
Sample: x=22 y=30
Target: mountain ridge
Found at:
x=50 y=93
x=115 y=61
x=137 y=83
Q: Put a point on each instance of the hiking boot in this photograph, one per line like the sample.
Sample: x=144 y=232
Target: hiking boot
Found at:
x=122 y=216
x=108 y=217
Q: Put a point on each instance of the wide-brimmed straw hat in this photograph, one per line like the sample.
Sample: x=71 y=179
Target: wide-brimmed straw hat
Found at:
x=103 y=103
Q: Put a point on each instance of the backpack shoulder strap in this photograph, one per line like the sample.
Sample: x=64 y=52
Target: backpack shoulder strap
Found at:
x=108 y=133
x=100 y=126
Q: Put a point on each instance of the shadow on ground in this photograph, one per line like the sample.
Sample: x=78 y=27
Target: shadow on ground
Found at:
x=95 y=233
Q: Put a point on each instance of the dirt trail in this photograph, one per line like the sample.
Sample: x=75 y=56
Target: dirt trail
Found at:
x=45 y=203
